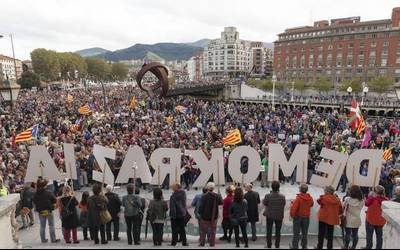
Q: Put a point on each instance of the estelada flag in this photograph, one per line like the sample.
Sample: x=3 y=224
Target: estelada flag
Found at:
x=361 y=126
x=70 y=98
x=387 y=154
x=234 y=137
x=27 y=135
x=84 y=110
x=133 y=103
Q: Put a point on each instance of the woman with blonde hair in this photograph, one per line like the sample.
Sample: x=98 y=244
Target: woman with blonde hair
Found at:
x=69 y=215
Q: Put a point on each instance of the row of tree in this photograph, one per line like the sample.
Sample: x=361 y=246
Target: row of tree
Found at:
x=49 y=65
x=379 y=85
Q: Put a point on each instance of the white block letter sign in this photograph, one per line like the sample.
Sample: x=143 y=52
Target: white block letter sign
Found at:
x=374 y=158
x=254 y=164
x=101 y=153
x=166 y=161
x=134 y=158
x=41 y=164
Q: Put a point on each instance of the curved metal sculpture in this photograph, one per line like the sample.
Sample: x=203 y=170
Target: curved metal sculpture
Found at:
x=161 y=72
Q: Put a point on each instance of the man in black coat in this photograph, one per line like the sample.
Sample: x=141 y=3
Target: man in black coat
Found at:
x=253 y=200
x=114 y=207
x=27 y=195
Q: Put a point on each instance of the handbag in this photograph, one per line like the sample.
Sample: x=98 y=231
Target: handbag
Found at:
x=105 y=216
x=187 y=218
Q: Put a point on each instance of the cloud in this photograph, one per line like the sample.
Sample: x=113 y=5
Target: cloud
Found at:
x=70 y=25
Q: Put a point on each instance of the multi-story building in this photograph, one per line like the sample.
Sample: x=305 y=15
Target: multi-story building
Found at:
x=341 y=49
x=260 y=60
x=195 y=68
x=8 y=69
x=231 y=57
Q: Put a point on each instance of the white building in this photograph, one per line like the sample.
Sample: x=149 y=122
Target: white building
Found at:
x=231 y=57
x=7 y=67
x=195 y=68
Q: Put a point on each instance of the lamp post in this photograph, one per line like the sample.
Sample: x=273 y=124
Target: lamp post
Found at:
x=349 y=90
x=273 y=91
x=365 y=92
x=292 y=99
x=10 y=89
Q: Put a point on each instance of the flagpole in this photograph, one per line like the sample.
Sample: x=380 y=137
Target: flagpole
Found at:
x=104 y=178
x=70 y=177
x=158 y=175
x=134 y=177
x=218 y=182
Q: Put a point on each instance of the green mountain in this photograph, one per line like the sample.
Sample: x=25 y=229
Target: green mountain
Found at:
x=91 y=52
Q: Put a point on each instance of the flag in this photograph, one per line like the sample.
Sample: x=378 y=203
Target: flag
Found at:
x=181 y=109
x=133 y=103
x=27 y=135
x=234 y=137
x=355 y=115
x=367 y=138
x=70 y=98
x=169 y=119
x=387 y=154
x=84 y=110
x=361 y=127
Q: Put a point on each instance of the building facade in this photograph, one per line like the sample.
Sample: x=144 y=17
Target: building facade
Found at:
x=8 y=69
x=260 y=60
x=195 y=68
x=340 y=50
x=231 y=57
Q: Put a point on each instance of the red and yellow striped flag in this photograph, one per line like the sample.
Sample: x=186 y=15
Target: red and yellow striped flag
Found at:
x=387 y=154
x=84 y=110
x=27 y=135
x=361 y=127
x=133 y=103
x=234 y=137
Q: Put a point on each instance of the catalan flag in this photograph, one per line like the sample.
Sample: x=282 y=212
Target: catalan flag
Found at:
x=169 y=120
x=70 y=98
x=27 y=135
x=361 y=127
x=84 y=110
x=133 y=103
x=181 y=109
x=387 y=154
x=234 y=137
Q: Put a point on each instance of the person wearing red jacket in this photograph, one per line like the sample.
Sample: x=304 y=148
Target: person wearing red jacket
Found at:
x=328 y=216
x=374 y=218
x=300 y=211
x=226 y=220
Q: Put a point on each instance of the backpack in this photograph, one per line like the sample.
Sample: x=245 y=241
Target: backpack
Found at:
x=65 y=212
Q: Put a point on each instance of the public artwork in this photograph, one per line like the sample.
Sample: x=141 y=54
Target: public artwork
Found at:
x=166 y=161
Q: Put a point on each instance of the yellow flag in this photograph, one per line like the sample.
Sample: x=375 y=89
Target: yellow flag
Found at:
x=133 y=103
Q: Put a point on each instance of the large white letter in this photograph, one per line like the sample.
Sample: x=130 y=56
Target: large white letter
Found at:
x=172 y=166
x=48 y=170
x=214 y=166
x=101 y=153
x=254 y=164
x=70 y=163
x=374 y=158
x=135 y=155
x=277 y=158
x=333 y=171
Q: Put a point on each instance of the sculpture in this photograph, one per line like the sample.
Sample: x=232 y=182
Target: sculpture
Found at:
x=161 y=72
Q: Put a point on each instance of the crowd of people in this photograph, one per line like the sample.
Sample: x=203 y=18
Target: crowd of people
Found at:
x=154 y=123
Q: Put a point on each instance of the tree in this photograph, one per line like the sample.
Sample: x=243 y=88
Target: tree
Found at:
x=45 y=63
x=355 y=84
x=71 y=62
x=322 y=85
x=300 y=85
x=119 y=71
x=98 y=68
x=28 y=80
x=381 y=84
x=261 y=84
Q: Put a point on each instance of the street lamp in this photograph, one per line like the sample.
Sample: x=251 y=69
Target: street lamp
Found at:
x=365 y=92
x=349 y=90
x=273 y=91
x=292 y=99
x=10 y=90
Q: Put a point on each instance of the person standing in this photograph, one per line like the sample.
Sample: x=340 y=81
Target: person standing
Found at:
x=27 y=195
x=352 y=207
x=196 y=204
x=208 y=211
x=114 y=207
x=3 y=189
x=300 y=211
x=328 y=216
x=264 y=172
x=44 y=202
x=84 y=214
x=253 y=200
x=97 y=203
x=274 y=211
x=238 y=216
x=69 y=216
x=396 y=196
x=374 y=219
x=132 y=205
x=178 y=212
x=226 y=220
x=157 y=214
x=142 y=210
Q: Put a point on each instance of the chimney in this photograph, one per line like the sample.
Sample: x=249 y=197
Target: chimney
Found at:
x=396 y=17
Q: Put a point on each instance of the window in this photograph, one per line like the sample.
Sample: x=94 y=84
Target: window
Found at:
x=373 y=44
x=383 y=62
x=385 y=44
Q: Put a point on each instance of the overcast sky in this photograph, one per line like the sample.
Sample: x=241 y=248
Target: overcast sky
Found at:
x=70 y=25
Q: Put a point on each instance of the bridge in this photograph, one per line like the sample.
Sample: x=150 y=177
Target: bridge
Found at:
x=230 y=92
